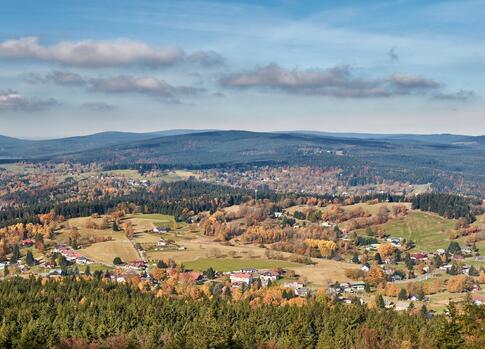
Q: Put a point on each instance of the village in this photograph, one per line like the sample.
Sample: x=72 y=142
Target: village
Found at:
x=382 y=270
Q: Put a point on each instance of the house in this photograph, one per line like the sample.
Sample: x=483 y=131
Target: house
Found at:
x=402 y=306
x=251 y=271
x=27 y=242
x=419 y=256
x=357 y=286
x=396 y=242
x=162 y=242
x=244 y=278
x=161 y=230
x=388 y=304
x=136 y=265
x=396 y=277
x=365 y=267
x=335 y=288
x=278 y=214
x=193 y=276
x=467 y=251
x=478 y=299
x=55 y=272
x=268 y=277
x=440 y=251
x=389 y=260
x=446 y=267
x=83 y=260
x=298 y=287
x=302 y=292
x=372 y=247
x=3 y=265
x=294 y=285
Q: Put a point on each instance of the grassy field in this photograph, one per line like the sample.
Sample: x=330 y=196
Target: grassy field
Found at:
x=172 y=176
x=146 y=222
x=324 y=272
x=201 y=251
x=232 y=264
x=427 y=230
x=105 y=252
x=372 y=209
x=18 y=168
x=481 y=247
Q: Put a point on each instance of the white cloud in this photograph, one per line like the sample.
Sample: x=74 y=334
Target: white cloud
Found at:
x=13 y=101
x=143 y=85
x=90 y=53
x=64 y=78
x=338 y=81
x=98 y=106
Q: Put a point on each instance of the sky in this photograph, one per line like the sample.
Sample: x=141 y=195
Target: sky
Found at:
x=80 y=67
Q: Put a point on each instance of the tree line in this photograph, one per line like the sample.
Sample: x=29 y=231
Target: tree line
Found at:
x=446 y=205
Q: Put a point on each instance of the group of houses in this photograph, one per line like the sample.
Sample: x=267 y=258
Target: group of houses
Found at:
x=246 y=277
x=348 y=287
x=298 y=288
x=71 y=255
x=138 y=265
x=161 y=230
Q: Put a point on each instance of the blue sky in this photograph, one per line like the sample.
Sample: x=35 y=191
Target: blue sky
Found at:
x=79 y=67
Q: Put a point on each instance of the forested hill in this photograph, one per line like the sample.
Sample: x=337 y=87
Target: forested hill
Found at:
x=30 y=149
x=442 y=163
x=449 y=162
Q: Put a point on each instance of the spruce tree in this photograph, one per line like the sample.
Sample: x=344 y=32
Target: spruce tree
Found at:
x=15 y=254
x=380 y=301
x=29 y=259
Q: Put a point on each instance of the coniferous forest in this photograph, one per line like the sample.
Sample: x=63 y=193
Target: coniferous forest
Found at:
x=102 y=314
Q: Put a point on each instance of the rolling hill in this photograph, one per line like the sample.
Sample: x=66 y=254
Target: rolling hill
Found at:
x=14 y=148
x=448 y=161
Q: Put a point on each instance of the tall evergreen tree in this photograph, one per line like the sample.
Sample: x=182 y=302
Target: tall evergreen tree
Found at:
x=15 y=254
x=29 y=259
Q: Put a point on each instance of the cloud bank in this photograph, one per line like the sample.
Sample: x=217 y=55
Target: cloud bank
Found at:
x=98 y=106
x=13 y=101
x=122 y=84
x=335 y=82
x=91 y=53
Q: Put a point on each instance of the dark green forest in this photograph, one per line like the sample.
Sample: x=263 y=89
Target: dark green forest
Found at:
x=450 y=163
x=446 y=205
x=101 y=314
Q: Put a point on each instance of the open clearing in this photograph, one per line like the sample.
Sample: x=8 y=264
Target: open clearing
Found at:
x=231 y=264
x=202 y=252
x=427 y=230
x=105 y=252
x=171 y=176
x=370 y=208
x=324 y=272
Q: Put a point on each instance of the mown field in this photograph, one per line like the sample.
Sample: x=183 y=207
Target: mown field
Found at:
x=427 y=230
x=120 y=245
x=370 y=208
x=231 y=264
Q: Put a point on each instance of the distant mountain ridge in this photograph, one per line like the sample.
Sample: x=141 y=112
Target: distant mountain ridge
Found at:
x=257 y=146
x=445 y=160
x=11 y=147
